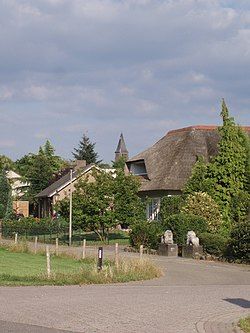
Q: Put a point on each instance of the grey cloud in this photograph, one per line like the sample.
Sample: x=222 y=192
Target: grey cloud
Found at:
x=141 y=67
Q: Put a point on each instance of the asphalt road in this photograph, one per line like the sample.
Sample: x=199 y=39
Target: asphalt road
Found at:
x=191 y=295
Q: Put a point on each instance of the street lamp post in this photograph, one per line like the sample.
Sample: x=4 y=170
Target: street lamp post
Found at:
x=70 y=207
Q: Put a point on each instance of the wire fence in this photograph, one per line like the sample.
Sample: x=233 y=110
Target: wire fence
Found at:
x=48 y=230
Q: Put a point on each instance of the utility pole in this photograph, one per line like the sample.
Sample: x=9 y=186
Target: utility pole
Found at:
x=70 y=207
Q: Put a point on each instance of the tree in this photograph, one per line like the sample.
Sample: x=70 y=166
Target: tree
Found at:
x=120 y=163
x=198 y=181
x=39 y=169
x=227 y=175
x=128 y=206
x=93 y=203
x=228 y=169
x=86 y=151
x=39 y=174
x=24 y=164
x=103 y=201
x=5 y=193
x=6 y=163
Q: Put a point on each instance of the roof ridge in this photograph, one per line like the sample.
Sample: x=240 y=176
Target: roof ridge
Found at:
x=201 y=127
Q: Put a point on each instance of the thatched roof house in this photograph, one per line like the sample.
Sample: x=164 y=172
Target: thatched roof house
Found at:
x=165 y=167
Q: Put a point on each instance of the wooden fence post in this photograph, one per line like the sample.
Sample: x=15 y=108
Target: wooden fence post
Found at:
x=48 y=261
x=16 y=238
x=57 y=247
x=116 y=255
x=35 y=244
x=141 y=251
x=84 y=249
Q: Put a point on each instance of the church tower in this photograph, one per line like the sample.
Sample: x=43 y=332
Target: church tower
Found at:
x=121 y=150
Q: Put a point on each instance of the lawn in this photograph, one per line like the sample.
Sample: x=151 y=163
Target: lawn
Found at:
x=21 y=268
x=245 y=324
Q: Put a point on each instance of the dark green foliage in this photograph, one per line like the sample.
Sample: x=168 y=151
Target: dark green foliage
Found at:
x=226 y=177
x=181 y=223
x=39 y=169
x=24 y=164
x=146 y=233
x=199 y=181
x=214 y=244
x=128 y=206
x=239 y=245
x=86 y=151
x=240 y=209
x=171 y=205
x=228 y=169
x=32 y=226
x=5 y=195
x=9 y=213
x=104 y=203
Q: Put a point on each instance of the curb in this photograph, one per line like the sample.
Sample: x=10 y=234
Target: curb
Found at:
x=224 y=323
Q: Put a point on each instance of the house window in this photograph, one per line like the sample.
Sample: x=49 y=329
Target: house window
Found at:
x=138 y=168
x=153 y=209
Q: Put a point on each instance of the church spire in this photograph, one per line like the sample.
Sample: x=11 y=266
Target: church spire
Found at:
x=121 y=150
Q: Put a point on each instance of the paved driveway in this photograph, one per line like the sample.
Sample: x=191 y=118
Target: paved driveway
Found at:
x=193 y=296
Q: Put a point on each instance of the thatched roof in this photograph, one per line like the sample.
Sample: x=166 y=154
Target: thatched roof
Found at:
x=170 y=160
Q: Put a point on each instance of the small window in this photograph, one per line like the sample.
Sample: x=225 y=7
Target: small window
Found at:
x=153 y=209
x=138 y=168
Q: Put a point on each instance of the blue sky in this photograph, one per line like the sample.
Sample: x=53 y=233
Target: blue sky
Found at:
x=142 y=67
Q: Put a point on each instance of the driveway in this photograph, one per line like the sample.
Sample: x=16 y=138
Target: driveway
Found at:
x=192 y=296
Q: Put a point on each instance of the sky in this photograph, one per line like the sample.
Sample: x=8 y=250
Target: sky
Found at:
x=102 y=67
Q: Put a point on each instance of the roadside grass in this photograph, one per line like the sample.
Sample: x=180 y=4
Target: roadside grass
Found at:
x=244 y=324
x=19 y=267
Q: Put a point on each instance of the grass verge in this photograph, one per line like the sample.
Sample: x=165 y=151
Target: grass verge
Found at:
x=20 y=267
x=244 y=324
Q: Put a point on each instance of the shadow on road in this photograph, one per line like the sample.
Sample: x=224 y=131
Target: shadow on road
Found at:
x=239 y=301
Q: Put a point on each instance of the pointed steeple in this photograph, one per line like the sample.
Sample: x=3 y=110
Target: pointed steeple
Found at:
x=121 y=149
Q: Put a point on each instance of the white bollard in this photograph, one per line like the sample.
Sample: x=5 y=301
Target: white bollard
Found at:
x=116 y=255
x=84 y=249
x=48 y=261
x=16 y=238
x=141 y=251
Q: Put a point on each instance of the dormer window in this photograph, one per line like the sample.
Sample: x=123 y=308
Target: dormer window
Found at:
x=138 y=168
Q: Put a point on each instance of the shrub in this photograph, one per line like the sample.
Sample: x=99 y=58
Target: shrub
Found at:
x=240 y=206
x=146 y=233
x=201 y=204
x=33 y=226
x=214 y=244
x=238 y=247
x=171 y=205
x=181 y=223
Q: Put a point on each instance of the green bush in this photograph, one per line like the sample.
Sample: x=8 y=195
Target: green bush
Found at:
x=29 y=226
x=181 y=223
x=214 y=244
x=146 y=233
x=238 y=247
x=201 y=204
x=171 y=205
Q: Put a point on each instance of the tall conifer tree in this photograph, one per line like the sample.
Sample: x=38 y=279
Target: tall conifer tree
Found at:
x=86 y=151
